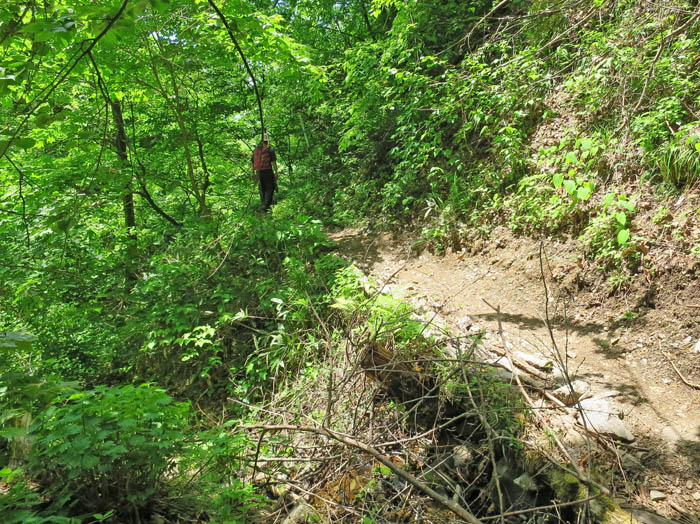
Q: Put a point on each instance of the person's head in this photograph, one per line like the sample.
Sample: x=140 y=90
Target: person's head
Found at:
x=265 y=141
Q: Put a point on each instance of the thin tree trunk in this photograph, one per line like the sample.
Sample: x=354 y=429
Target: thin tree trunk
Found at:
x=127 y=196
x=176 y=108
x=303 y=129
x=366 y=17
x=245 y=62
x=207 y=177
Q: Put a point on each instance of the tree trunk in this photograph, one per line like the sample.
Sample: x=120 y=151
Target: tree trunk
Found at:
x=127 y=196
x=366 y=18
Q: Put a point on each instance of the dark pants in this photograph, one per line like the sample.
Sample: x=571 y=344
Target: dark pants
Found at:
x=266 y=181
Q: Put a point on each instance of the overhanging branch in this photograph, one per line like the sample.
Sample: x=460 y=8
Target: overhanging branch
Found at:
x=245 y=62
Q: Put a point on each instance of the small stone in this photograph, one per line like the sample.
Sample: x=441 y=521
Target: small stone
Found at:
x=569 y=395
x=644 y=361
x=558 y=376
x=696 y=495
x=464 y=323
x=697 y=347
x=534 y=360
x=670 y=435
x=302 y=513
x=631 y=463
x=689 y=484
x=687 y=340
x=657 y=495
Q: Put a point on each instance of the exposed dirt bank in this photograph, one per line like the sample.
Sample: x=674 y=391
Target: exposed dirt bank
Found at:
x=628 y=343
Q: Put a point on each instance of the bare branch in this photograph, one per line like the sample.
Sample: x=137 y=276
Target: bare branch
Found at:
x=349 y=441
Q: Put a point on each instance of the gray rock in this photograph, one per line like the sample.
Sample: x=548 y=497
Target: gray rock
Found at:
x=503 y=375
x=464 y=323
x=606 y=394
x=557 y=376
x=569 y=395
x=573 y=438
x=630 y=463
x=670 y=435
x=537 y=361
x=601 y=417
x=601 y=405
x=657 y=495
x=697 y=347
x=696 y=495
x=302 y=512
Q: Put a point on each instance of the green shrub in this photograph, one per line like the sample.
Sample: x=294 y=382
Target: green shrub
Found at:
x=678 y=160
x=107 y=448
x=19 y=504
x=607 y=236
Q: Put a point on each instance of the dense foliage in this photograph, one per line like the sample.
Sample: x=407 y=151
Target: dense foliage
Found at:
x=139 y=285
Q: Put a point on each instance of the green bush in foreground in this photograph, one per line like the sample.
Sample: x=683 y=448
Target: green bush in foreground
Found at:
x=107 y=448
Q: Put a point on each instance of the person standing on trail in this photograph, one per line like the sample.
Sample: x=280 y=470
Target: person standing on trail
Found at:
x=265 y=169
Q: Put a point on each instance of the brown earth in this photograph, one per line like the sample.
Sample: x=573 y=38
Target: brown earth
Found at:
x=627 y=342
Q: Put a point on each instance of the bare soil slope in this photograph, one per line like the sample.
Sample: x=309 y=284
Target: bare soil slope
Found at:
x=628 y=343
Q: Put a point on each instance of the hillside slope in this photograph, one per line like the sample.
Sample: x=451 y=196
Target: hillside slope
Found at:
x=629 y=352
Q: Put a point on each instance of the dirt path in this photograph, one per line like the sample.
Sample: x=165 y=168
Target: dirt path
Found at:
x=612 y=344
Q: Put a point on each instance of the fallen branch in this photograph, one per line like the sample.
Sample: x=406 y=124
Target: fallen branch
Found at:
x=349 y=441
x=685 y=381
x=545 y=508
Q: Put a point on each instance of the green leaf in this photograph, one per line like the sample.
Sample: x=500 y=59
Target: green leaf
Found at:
x=17 y=340
x=570 y=186
x=557 y=179
x=25 y=143
x=584 y=192
x=137 y=440
x=12 y=432
x=621 y=218
x=623 y=236
x=571 y=157
x=608 y=199
x=629 y=206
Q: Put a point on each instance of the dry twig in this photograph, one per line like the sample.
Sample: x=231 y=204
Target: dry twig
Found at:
x=349 y=441
x=685 y=381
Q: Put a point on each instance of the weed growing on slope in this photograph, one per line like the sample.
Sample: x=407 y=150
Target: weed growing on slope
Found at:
x=607 y=238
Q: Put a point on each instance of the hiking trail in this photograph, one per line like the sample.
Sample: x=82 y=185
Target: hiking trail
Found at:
x=641 y=347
